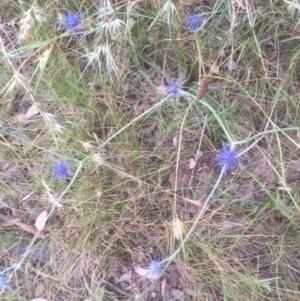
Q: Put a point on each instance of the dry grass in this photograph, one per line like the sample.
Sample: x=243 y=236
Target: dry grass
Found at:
x=138 y=165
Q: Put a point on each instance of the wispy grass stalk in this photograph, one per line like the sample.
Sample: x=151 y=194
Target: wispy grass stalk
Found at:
x=37 y=234
x=200 y=214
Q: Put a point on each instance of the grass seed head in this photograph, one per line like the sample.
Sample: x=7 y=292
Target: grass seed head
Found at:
x=111 y=26
x=103 y=52
x=25 y=25
x=109 y=23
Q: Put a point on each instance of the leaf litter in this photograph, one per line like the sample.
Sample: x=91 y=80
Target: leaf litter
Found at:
x=41 y=220
x=197 y=191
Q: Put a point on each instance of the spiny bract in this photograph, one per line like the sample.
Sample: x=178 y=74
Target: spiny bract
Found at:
x=60 y=170
x=226 y=157
x=154 y=269
x=173 y=88
x=193 y=21
x=71 y=21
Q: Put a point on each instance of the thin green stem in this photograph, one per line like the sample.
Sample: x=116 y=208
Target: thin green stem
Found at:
x=74 y=178
x=172 y=257
x=33 y=240
x=127 y=125
x=264 y=133
x=218 y=119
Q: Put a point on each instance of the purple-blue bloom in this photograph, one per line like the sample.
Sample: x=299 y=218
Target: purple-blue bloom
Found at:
x=154 y=269
x=71 y=21
x=60 y=170
x=193 y=21
x=3 y=282
x=173 y=88
x=226 y=157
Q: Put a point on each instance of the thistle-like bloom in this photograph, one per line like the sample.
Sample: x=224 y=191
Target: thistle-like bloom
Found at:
x=173 y=88
x=194 y=22
x=71 y=21
x=3 y=282
x=60 y=171
x=226 y=157
x=153 y=269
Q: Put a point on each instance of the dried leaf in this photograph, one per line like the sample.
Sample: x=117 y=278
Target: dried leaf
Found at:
x=180 y=178
x=166 y=196
x=23 y=117
x=230 y=64
x=192 y=163
x=177 y=294
x=39 y=289
x=165 y=289
x=18 y=118
x=175 y=143
x=162 y=89
x=32 y=111
x=140 y=271
x=25 y=227
x=125 y=277
x=41 y=220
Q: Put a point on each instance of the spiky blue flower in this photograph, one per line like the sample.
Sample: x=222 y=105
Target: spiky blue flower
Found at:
x=227 y=157
x=71 y=21
x=173 y=88
x=60 y=171
x=194 y=21
x=3 y=282
x=153 y=269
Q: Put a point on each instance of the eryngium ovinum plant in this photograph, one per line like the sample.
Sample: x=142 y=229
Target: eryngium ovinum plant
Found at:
x=107 y=28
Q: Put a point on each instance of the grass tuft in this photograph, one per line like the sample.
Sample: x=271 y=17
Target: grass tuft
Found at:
x=112 y=114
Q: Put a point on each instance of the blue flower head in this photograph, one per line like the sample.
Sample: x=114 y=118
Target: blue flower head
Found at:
x=154 y=269
x=173 y=88
x=3 y=282
x=60 y=171
x=193 y=21
x=226 y=157
x=71 y=21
